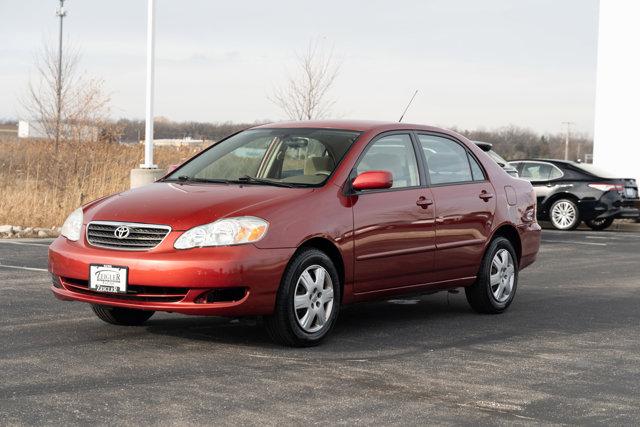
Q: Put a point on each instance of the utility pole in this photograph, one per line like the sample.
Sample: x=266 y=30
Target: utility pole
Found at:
x=566 y=139
x=61 y=13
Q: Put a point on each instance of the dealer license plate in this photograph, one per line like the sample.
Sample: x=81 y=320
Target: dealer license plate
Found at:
x=108 y=278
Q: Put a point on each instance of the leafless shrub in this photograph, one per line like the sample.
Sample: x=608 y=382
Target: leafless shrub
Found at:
x=306 y=94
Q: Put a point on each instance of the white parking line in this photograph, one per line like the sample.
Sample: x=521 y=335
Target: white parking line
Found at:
x=571 y=242
x=25 y=243
x=18 y=267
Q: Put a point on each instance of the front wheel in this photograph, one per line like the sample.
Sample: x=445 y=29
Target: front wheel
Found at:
x=308 y=301
x=599 y=224
x=564 y=214
x=121 y=316
x=495 y=286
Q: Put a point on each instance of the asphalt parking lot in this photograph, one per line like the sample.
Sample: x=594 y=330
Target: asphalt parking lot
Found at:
x=566 y=352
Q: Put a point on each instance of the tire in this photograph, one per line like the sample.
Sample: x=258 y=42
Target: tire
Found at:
x=564 y=215
x=492 y=298
x=599 y=224
x=121 y=316
x=303 y=286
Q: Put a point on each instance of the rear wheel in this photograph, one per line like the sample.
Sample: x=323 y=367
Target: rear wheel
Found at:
x=497 y=280
x=564 y=214
x=599 y=224
x=121 y=316
x=308 y=301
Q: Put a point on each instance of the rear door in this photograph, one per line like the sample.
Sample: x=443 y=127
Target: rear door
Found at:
x=544 y=177
x=394 y=231
x=465 y=204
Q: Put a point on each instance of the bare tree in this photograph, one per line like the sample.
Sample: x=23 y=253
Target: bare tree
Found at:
x=306 y=94
x=83 y=104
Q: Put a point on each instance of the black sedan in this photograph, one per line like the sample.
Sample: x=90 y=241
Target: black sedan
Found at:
x=570 y=192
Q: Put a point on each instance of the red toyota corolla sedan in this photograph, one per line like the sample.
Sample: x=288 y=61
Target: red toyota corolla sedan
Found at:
x=292 y=220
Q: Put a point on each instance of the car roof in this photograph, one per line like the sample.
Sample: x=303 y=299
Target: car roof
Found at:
x=355 y=125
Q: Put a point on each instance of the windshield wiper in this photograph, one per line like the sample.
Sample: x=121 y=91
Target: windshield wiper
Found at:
x=185 y=178
x=246 y=179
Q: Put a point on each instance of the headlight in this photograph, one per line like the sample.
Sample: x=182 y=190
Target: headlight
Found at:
x=224 y=232
x=72 y=227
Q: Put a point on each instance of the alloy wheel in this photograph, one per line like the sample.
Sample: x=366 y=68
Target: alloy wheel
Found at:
x=313 y=298
x=502 y=275
x=563 y=214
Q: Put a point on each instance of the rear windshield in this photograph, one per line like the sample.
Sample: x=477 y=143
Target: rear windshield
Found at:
x=595 y=170
x=287 y=156
x=497 y=158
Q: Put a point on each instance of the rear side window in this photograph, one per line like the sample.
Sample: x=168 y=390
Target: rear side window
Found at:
x=393 y=153
x=476 y=170
x=540 y=171
x=448 y=162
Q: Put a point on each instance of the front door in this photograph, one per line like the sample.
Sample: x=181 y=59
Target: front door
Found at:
x=465 y=206
x=394 y=231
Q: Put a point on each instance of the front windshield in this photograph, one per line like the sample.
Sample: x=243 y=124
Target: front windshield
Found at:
x=292 y=157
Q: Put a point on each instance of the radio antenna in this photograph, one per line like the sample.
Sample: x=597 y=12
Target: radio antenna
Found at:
x=408 y=105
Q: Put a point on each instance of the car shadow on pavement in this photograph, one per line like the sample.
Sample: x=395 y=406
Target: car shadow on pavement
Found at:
x=430 y=322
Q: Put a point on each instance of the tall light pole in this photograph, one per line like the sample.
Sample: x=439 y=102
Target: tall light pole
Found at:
x=566 y=139
x=148 y=172
x=148 y=135
x=61 y=13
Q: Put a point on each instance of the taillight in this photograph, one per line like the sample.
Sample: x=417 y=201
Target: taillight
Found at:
x=607 y=187
x=529 y=214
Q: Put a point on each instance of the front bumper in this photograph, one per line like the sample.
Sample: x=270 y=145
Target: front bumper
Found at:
x=165 y=279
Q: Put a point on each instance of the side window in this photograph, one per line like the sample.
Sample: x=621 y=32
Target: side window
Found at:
x=393 y=153
x=518 y=166
x=538 y=171
x=555 y=173
x=476 y=170
x=447 y=161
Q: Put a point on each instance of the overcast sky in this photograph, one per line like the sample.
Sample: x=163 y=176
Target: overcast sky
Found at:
x=486 y=63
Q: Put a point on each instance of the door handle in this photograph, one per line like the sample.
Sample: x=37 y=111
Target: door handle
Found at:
x=423 y=202
x=485 y=196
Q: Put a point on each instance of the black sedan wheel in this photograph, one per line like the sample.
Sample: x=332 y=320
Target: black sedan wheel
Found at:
x=599 y=224
x=564 y=214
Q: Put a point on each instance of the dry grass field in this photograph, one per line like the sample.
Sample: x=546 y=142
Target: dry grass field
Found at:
x=40 y=187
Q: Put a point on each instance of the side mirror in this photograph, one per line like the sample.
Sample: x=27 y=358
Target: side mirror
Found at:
x=171 y=168
x=373 y=180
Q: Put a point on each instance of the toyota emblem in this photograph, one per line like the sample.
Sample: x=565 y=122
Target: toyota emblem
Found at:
x=122 y=232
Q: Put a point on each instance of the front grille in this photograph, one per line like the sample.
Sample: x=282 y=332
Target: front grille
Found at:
x=140 y=237
x=134 y=292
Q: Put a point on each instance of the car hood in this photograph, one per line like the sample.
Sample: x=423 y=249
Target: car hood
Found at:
x=183 y=206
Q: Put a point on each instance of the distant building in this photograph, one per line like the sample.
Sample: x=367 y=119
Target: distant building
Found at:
x=80 y=132
x=31 y=130
x=183 y=142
